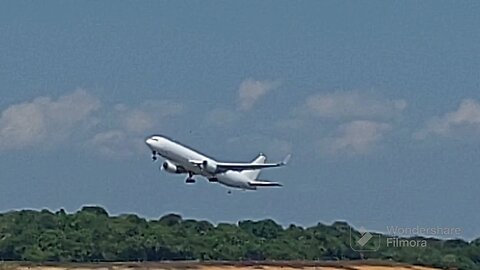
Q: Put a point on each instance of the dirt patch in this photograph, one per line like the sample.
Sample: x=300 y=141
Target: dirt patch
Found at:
x=274 y=265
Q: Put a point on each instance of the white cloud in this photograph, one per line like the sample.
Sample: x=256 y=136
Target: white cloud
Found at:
x=351 y=104
x=45 y=120
x=357 y=121
x=146 y=116
x=112 y=143
x=138 y=121
x=465 y=120
x=357 y=137
x=272 y=147
x=222 y=117
x=127 y=126
x=290 y=123
x=116 y=131
x=251 y=91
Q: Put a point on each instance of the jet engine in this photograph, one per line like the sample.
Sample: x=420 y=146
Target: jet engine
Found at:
x=172 y=168
x=210 y=167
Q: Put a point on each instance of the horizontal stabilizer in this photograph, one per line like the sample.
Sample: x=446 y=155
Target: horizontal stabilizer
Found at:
x=251 y=166
x=264 y=183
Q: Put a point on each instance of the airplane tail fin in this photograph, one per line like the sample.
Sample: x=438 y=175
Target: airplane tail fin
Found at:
x=253 y=174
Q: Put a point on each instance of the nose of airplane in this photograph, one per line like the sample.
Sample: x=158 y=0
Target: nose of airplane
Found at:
x=154 y=142
x=149 y=142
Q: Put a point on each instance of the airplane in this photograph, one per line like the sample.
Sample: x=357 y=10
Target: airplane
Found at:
x=180 y=159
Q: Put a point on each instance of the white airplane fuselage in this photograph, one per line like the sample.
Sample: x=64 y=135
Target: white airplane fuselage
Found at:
x=182 y=156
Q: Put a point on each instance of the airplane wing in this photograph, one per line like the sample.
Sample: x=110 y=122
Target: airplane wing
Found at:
x=264 y=183
x=251 y=166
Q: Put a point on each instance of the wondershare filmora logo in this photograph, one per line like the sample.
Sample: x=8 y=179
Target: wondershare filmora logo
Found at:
x=363 y=240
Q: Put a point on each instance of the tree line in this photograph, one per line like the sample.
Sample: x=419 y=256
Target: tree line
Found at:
x=91 y=235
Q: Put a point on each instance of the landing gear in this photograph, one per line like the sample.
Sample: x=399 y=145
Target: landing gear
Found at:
x=154 y=156
x=190 y=179
x=229 y=192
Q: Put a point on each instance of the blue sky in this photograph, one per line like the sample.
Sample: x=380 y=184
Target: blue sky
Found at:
x=378 y=101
